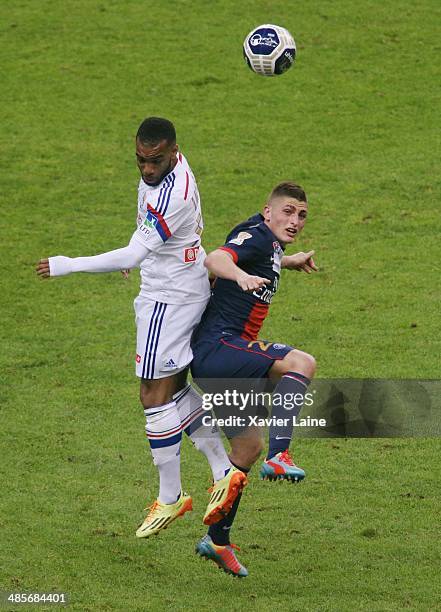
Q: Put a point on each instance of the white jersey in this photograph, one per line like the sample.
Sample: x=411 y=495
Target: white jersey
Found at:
x=170 y=225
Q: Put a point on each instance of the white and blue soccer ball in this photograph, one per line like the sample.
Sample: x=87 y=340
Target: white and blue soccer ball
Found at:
x=269 y=50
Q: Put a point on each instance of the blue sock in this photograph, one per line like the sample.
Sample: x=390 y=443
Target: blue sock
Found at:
x=220 y=531
x=291 y=384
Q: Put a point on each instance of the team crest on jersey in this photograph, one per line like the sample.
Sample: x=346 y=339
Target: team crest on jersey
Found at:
x=190 y=254
x=240 y=238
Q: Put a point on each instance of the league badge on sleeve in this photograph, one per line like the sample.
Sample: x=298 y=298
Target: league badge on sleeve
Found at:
x=154 y=220
x=240 y=238
x=148 y=224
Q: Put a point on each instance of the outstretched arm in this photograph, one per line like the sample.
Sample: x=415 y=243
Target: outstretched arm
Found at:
x=127 y=257
x=220 y=263
x=300 y=261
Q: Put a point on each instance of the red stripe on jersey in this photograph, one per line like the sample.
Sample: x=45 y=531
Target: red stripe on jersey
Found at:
x=255 y=321
x=180 y=157
x=161 y=220
x=233 y=254
x=186 y=185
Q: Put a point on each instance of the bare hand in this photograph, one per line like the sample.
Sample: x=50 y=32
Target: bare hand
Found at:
x=300 y=261
x=125 y=273
x=43 y=269
x=251 y=283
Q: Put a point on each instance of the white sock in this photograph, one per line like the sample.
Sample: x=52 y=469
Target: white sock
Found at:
x=164 y=432
x=205 y=439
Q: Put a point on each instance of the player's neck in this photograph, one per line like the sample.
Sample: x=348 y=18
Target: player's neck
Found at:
x=282 y=244
x=170 y=168
x=172 y=165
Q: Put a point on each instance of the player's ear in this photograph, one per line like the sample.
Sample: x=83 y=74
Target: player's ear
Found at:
x=267 y=212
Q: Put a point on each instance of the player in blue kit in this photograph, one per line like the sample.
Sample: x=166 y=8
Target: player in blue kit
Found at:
x=226 y=345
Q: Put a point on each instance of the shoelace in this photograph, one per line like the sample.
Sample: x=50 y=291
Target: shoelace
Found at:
x=152 y=508
x=211 y=489
x=286 y=458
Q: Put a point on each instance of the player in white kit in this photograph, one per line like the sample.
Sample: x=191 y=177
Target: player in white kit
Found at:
x=174 y=292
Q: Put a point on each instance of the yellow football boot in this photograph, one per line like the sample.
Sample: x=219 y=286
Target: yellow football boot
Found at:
x=223 y=494
x=161 y=515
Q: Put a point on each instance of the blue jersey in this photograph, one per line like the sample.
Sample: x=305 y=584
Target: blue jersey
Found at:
x=231 y=310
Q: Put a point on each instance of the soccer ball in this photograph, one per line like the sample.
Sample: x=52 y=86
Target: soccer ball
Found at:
x=269 y=50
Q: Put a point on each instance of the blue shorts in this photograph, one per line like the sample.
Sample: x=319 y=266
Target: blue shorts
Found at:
x=234 y=357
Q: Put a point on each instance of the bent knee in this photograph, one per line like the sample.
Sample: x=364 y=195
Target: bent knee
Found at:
x=160 y=391
x=298 y=361
x=145 y=396
x=246 y=451
x=151 y=396
x=255 y=449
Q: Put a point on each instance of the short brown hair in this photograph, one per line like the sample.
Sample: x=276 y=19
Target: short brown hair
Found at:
x=290 y=189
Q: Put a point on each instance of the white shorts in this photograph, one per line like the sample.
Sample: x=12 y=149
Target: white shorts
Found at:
x=163 y=336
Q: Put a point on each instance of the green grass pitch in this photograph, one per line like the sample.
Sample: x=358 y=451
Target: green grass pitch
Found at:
x=354 y=122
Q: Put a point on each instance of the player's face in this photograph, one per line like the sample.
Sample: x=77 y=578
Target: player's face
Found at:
x=155 y=161
x=285 y=217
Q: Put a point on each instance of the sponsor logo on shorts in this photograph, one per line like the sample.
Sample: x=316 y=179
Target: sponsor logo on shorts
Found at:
x=169 y=365
x=240 y=238
x=260 y=344
x=138 y=358
x=191 y=254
